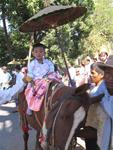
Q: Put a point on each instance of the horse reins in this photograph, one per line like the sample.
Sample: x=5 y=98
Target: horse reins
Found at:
x=53 y=126
x=48 y=103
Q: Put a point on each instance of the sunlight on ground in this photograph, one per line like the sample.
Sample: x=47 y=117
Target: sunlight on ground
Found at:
x=4 y=112
x=6 y=125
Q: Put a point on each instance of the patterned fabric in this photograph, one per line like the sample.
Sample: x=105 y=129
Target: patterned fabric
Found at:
x=35 y=94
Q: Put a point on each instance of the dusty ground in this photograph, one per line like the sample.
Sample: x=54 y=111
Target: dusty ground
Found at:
x=11 y=134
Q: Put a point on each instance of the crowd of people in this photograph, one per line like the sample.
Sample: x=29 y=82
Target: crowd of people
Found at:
x=81 y=74
x=97 y=71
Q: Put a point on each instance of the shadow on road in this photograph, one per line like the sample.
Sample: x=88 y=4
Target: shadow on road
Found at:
x=10 y=132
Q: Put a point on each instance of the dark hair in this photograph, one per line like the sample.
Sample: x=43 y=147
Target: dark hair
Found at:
x=103 y=53
x=95 y=67
x=39 y=45
x=18 y=67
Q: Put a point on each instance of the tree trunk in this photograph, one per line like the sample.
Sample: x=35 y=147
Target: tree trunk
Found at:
x=8 y=43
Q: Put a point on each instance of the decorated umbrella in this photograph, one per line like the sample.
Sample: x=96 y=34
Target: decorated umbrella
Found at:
x=51 y=17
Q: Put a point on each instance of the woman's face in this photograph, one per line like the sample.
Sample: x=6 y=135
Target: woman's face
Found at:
x=38 y=53
x=108 y=77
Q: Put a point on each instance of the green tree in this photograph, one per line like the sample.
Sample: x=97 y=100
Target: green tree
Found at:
x=84 y=36
x=102 y=31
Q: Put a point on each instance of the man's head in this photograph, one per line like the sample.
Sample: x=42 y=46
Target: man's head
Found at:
x=108 y=73
x=5 y=69
x=97 y=74
x=38 y=51
x=17 y=68
x=103 y=56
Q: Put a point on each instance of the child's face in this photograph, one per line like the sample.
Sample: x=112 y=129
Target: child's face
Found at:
x=38 y=53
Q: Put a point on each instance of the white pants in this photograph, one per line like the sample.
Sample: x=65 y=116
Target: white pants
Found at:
x=6 y=95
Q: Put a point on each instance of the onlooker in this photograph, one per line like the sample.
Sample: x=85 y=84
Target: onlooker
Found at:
x=95 y=59
x=24 y=70
x=15 y=73
x=65 y=78
x=79 y=77
x=88 y=63
x=103 y=57
x=5 y=78
x=106 y=87
x=95 y=110
x=72 y=74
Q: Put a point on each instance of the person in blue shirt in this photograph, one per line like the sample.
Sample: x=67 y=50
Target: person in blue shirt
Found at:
x=106 y=87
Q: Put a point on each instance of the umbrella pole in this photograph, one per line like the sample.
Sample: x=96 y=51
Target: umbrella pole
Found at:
x=30 y=47
x=70 y=80
x=63 y=55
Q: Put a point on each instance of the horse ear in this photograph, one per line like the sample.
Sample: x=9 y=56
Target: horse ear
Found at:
x=81 y=89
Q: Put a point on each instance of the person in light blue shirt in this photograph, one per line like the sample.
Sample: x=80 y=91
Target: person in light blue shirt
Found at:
x=106 y=87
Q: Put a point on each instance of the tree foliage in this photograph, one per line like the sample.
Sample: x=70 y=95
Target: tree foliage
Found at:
x=102 y=31
x=81 y=37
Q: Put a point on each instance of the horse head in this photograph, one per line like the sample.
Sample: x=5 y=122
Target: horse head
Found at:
x=68 y=116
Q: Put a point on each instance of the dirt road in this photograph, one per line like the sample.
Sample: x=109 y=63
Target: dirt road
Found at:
x=10 y=132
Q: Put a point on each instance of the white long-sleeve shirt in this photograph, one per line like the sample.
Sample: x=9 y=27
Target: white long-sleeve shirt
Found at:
x=37 y=70
x=6 y=95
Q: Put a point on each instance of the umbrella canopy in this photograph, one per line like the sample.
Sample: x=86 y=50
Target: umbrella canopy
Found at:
x=51 y=17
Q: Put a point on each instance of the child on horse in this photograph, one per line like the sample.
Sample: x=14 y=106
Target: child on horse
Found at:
x=39 y=71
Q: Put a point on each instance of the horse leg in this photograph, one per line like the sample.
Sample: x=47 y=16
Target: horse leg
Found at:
x=38 y=146
x=25 y=137
x=25 y=129
x=90 y=135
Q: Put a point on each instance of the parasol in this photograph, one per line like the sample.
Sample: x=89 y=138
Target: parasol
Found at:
x=51 y=17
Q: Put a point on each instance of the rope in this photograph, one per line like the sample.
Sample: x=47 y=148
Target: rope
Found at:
x=54 y=122
x=38 y=121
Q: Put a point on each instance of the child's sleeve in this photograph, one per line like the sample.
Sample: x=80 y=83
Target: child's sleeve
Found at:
x=30 y=70
x=51 y=67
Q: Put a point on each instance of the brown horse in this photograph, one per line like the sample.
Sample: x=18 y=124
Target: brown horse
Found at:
x=37 y=118
x=65 y=109
x=65 y=120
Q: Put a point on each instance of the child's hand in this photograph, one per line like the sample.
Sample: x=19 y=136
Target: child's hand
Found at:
x=27 y=79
